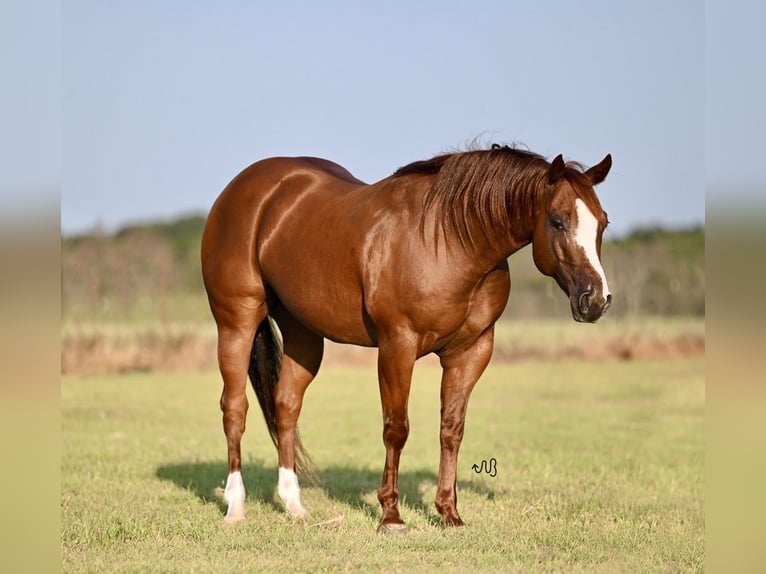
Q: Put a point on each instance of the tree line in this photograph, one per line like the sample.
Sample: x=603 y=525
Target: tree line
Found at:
x=152 y=272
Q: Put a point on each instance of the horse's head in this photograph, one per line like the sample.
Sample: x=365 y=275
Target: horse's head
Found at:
x=567 y=237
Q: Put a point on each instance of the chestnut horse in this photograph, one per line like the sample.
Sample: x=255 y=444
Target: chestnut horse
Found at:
x=413 y=264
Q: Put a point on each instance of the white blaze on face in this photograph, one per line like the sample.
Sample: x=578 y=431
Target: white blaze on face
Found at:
x=585 y=236
x=290 y=492
x=234 y=495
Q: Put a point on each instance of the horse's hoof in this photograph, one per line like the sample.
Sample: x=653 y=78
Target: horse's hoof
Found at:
x=234 y=519
x=392 y=528
x=454 y=523
x=297 y=511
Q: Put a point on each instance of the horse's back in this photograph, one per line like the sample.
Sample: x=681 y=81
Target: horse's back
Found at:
x=256 y=182
x=235 y=217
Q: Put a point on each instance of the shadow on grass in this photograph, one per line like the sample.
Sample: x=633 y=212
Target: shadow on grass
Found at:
x=207 y=479
x=344 y=484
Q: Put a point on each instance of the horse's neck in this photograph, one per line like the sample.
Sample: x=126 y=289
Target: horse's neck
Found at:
x=501 y=244
x=479 y=246
x=489 y=250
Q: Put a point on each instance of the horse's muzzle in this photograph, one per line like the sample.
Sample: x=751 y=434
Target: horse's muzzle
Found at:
x=587 y=308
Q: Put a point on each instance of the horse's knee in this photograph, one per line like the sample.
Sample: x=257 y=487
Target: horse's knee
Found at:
x=233 y=402
x=395 y=433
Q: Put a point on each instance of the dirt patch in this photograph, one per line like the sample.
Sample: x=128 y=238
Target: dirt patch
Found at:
x=622 y=348
x=157 y=350
x=150 y=351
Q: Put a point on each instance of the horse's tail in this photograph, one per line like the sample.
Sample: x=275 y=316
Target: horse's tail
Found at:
x=265 y=360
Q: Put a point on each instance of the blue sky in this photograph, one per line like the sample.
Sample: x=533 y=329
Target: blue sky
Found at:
x=162 y=103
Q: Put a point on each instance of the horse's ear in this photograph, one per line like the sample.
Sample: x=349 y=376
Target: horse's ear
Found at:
x=598 y=173
x=556 y=170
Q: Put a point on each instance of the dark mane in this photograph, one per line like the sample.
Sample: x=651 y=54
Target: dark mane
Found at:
x=433 y=165
x=497 y=187
x=423 y=167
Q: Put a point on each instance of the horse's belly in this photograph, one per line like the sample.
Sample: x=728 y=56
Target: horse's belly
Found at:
x=307 y=252
x=338 y=318
x=318 y=283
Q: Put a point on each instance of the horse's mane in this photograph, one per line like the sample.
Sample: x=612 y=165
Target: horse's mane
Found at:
x=434 y=164
x=497 y=186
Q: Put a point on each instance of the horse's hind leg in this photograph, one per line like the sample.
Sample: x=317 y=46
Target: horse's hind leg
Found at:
x=236 y=330
x=303 y=351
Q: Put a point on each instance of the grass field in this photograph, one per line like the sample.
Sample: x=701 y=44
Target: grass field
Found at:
x=600 y=468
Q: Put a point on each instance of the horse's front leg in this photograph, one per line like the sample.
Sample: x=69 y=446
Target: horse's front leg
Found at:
x=461 y=371
x=396 y=359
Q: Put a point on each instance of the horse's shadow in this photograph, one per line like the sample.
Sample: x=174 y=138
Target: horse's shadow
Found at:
x=345 y=484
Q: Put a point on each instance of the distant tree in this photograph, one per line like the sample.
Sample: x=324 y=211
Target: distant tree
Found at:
x=144 y=268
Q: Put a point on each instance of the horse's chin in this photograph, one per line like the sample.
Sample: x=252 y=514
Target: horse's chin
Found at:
x=578 y=317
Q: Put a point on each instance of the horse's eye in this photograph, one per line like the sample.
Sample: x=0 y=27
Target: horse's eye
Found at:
x=557 y=224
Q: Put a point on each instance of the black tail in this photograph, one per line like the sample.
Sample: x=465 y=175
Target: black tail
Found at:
x=265 y=360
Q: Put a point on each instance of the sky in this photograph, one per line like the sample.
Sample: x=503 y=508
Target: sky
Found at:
x=162 y=103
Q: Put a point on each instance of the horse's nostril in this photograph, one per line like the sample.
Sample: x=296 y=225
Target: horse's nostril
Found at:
x=584 y=302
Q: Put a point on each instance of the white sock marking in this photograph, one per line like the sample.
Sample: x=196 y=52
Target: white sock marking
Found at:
x=234 y=495
x=585 y=236
x=290 y=492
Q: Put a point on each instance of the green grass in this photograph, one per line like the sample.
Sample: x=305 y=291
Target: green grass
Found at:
x=600 y=469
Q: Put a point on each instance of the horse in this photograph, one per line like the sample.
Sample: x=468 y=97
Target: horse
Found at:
x=413 y=264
